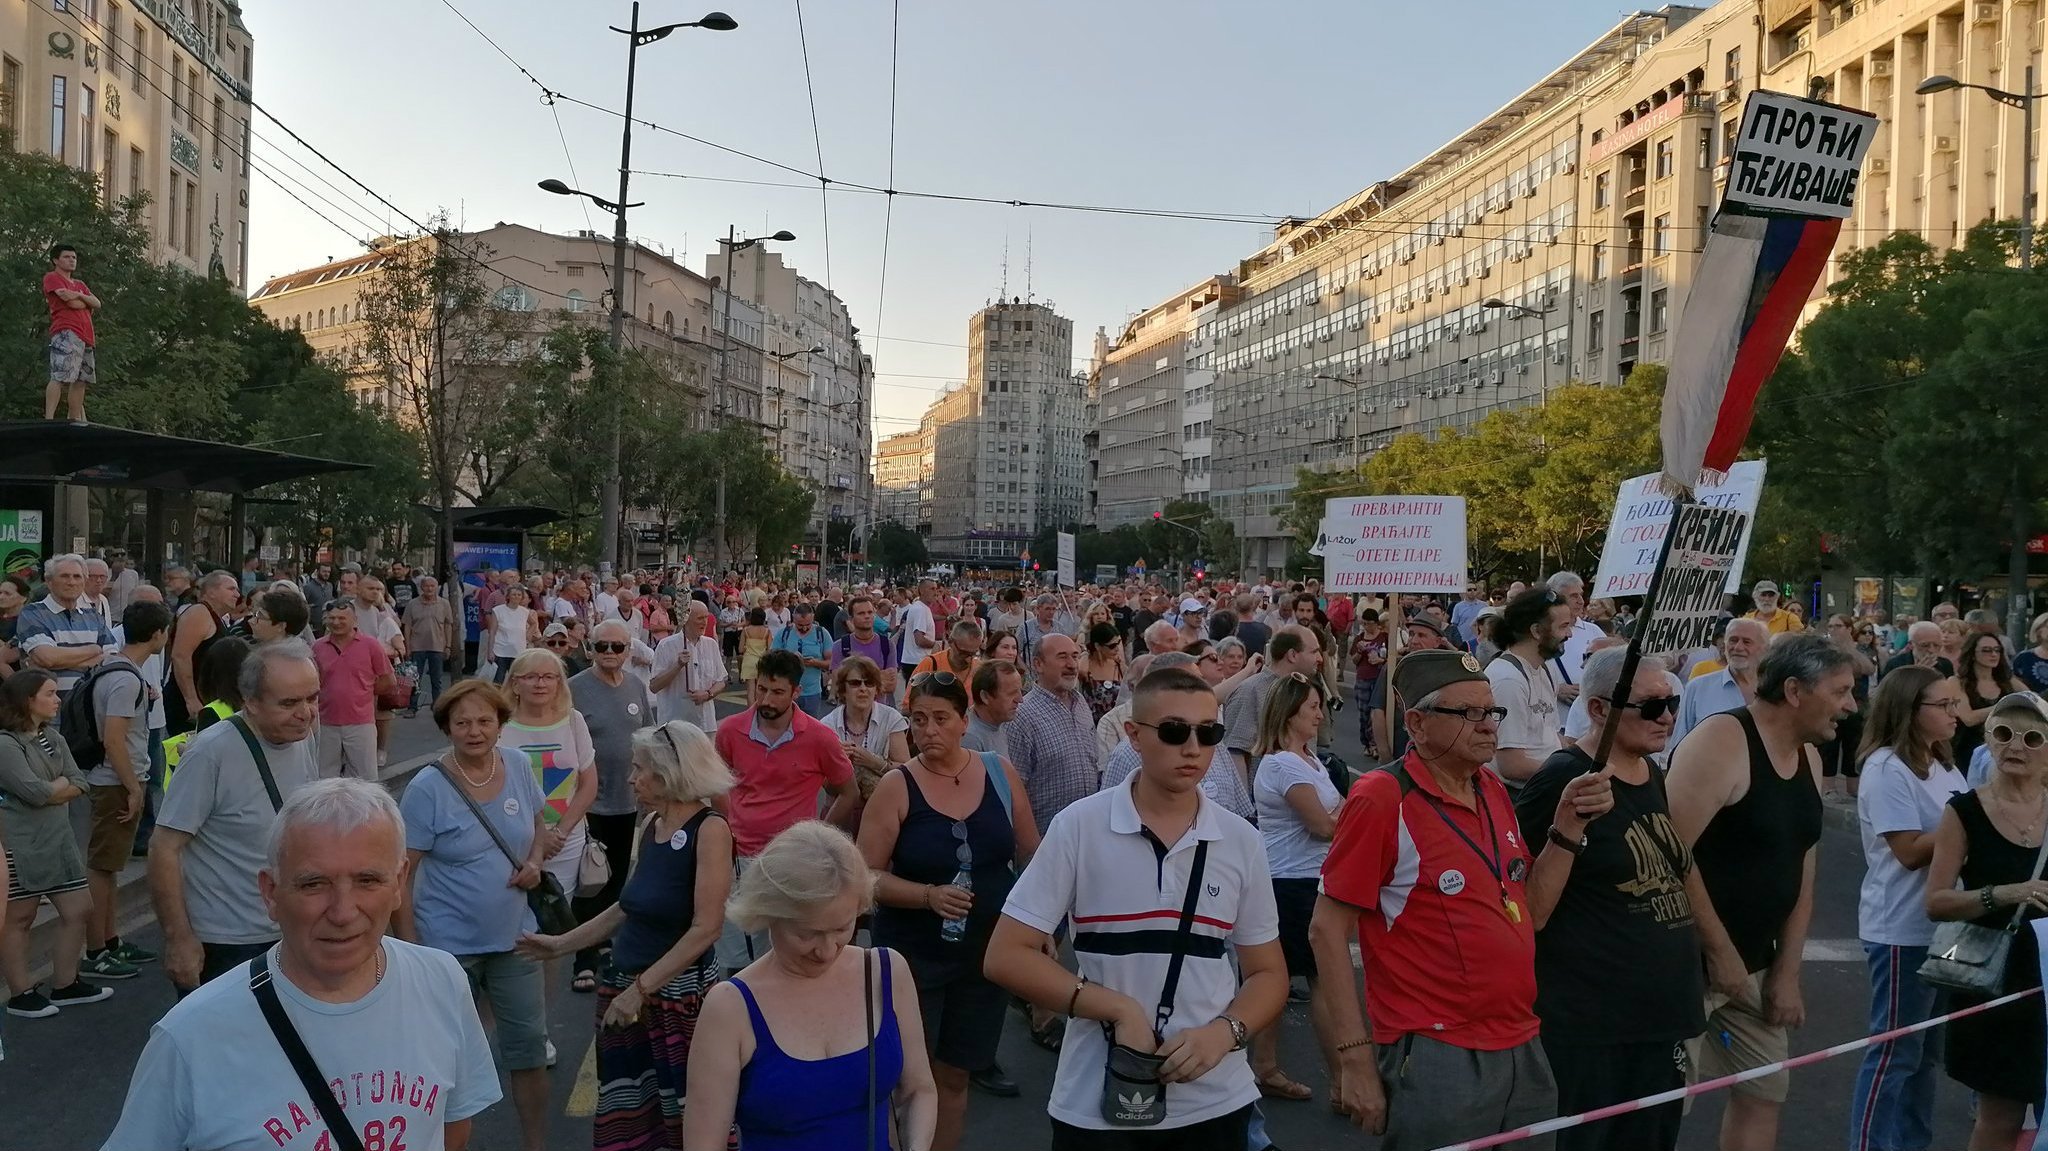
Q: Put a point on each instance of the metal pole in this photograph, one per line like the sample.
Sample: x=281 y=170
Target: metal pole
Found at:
x=609 y=498
x=1634 y=658
x=2019 y=606
x=718 y=410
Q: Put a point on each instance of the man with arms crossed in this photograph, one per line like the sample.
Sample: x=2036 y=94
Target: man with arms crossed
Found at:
x=1745 y=798
x=389 y=1024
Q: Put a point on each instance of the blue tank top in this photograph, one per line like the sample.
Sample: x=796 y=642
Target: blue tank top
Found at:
x=659 y=897
x=788 y=1104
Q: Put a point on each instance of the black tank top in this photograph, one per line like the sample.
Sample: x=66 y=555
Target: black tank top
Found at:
x=1752 y=855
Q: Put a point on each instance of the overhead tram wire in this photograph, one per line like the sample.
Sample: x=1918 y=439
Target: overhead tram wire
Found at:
x=889 y=203
x=817 y=142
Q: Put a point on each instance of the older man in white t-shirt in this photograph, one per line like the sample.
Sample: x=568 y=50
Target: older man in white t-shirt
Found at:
x=689 y=672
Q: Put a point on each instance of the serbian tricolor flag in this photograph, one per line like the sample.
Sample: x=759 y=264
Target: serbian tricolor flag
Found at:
x=1792 y=179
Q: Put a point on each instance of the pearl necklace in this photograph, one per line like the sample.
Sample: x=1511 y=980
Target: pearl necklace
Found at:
x=478 y=784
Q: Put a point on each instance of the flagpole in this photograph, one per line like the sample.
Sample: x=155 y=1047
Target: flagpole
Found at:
x=1634 y=658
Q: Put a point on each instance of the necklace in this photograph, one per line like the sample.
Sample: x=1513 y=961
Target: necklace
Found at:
x=380 y=968
x=478 y=784
x=953 y=775
x=2026 y=830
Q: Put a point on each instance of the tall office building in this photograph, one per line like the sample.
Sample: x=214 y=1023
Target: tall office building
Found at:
x=1141 y=379
x=1007 y=458
x=896 y=480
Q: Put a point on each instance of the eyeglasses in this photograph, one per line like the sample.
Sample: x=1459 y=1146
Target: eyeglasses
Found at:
x=1175 y=732
x=2033 y=738
x=1474 y=714
x=558 y=643
x=860 y=682
x=533 y=676
x=1653 y=709
x=941 y=678
x=1950 y=706
x=610 y=647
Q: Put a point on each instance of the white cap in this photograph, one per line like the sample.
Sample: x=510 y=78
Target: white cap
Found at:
x=1193 y=604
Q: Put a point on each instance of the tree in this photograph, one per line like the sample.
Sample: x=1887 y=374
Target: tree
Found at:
x=894 y=547
x=440 y=347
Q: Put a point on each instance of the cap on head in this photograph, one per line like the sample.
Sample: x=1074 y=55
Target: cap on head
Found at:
x=1764 y=587
x=1192 y=604
x=1426 y=623
x=2024 y=703
x=1425 y=673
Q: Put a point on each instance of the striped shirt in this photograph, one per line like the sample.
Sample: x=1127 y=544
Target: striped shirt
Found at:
x=47 y=623
x=1052 y=746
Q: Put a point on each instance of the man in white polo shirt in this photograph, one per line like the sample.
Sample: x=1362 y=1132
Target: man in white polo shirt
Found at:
x=1154 y=851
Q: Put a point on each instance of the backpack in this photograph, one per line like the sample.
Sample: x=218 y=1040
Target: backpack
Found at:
x=80 y=725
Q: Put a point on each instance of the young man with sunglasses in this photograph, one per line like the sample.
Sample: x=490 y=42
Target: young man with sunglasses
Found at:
x=1532 y=631
x=1427 y=871
x=1121 y=865
x=1617 y=957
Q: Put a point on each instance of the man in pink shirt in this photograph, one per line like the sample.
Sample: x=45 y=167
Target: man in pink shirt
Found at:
x=72 y=304
x=353 y=669
x=780 y=759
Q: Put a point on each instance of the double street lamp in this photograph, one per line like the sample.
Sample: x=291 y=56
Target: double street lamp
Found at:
x=609 y=499
x=2019 y=606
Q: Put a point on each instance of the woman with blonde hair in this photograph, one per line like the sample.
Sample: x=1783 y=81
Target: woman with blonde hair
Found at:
x=549 y=732
x=663 y=929
x=788 y=1048
x=2031 y=665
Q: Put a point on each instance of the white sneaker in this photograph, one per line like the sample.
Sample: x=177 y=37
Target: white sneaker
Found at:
x=551 y=1052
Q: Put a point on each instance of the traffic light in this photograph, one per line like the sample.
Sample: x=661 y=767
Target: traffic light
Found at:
x=1158 y=515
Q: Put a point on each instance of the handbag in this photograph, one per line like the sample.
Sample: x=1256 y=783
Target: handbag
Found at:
x=1132 y=1095
x=551 y=912
x=594 y=872
x=343 y=1134
x=405 y=679
x=1971 y=957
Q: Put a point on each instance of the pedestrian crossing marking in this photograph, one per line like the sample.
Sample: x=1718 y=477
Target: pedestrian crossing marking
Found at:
x=583 y=1096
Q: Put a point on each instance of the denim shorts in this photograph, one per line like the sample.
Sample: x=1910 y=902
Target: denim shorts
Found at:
x=516 y=989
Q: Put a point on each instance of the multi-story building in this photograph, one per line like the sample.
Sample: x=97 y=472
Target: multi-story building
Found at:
x=898 y=461
x=1141 y=392
x=153 y=96
x=1007 y=453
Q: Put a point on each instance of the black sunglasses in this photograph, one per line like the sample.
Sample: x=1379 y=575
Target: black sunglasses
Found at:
x=1474 y=714
x=558 y=642
x=610 y=647
x=1175 y=732
x=1654 y=709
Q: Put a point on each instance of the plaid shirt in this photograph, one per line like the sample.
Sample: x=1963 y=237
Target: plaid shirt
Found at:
x=1052 y=745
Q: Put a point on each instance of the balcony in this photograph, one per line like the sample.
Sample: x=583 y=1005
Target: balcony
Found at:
x=1632 y=200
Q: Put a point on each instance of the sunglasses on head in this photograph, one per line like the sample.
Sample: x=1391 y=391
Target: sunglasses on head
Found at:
x=1175 y=732
x=2032 y=739
x=610 y=647
x=1653 y=709
x=941 y=678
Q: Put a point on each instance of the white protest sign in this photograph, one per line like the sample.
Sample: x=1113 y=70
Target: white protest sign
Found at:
x=1066 y=566
x=1642 y=512
x=1798 y=157
x=1393 y=544
x=1687 y=603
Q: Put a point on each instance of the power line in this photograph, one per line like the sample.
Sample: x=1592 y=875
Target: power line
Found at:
x=818 y=142
x=889 y=202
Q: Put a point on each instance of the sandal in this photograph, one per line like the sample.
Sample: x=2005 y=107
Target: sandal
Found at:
x=1276 y=1085
x=1050 y=1034
x=585 y=982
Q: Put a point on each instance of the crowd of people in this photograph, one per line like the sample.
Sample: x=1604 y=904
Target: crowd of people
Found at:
x=1116 y=809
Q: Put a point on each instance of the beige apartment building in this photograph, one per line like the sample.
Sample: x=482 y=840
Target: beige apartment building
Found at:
x=898 y=464
x=1141 y=391
x=153 y=96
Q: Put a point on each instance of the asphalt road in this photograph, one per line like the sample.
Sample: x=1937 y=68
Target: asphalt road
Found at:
x=63 y=1080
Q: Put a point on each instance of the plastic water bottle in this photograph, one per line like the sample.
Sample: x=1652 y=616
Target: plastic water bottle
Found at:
x=953 y=930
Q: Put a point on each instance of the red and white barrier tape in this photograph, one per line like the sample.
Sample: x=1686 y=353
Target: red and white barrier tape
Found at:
x=1663 y=1097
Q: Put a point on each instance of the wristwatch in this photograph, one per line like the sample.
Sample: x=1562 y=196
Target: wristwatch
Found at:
x=1574 y=846
x=1238 y=1038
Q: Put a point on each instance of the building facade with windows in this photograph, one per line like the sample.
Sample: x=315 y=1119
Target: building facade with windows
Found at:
x=1007 y=452
x=153 y=96
x=898 y=472
x=1141 y=384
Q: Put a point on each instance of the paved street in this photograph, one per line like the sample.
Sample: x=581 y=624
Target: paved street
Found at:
x=65 y=1076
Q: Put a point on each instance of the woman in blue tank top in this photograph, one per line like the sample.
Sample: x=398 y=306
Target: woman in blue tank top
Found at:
x=817 y=1043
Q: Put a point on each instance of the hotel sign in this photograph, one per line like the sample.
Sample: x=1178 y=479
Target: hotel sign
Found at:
x=1634 y=133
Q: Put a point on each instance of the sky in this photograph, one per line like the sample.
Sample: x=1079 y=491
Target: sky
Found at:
x=1191 y=106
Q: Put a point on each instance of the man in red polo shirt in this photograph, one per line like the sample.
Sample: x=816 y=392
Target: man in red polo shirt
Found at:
x=1428 y=868
x=72 y=304
x=780 y=759
x=353 y=669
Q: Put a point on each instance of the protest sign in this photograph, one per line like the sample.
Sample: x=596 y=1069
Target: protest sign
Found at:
x=1642 y=512
x=1686 y=605
x=1066 y=557
x=1798 y=156
x=1393 y=544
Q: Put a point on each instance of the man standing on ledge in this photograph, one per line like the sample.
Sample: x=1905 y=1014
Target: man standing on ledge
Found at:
x=72 y=304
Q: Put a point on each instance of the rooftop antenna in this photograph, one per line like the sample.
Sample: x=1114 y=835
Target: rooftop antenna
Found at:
x=1003 y=290
x=1027 y=264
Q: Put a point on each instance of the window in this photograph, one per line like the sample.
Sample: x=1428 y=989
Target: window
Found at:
x=1596 y=332
x=140 y=61
x=10 y=96
x=575 y=299
x=88 y=128
x=1660 y=306
x=1599 y=261
x=1660 y=234
x=1731 y=66
x=113 y=46
x=135 y=167
x=192 y=99
x=57 y=95
x=668 y=321
x=177 y=86
x=1706 y=156
x=191 y=218
x=1729 y=128
x=110 y=150
x=1666 y=157
x=1700 y=217
x=1601 y=183
x=220 y=122
x=575 y=270
x=171 y=214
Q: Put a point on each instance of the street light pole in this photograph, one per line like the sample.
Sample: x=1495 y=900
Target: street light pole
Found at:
x=1354 y=417
x=2019 y=606
x=732 y=245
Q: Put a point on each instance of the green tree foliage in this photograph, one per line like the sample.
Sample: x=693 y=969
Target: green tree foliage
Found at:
x=1537 y=481
x=1903 y=424
x=895 y=548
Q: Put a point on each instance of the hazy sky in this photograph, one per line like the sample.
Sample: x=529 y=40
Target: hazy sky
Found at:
x=1283 y=106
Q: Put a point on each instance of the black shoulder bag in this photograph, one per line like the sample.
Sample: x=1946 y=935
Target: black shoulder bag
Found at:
x=1132 y=1095
x=345 y=1137
x=551 y=911
x=262 y=760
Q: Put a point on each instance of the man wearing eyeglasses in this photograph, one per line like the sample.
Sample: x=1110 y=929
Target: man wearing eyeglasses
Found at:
x=1617 y=956
x=1427 y=871
x=1532 y=630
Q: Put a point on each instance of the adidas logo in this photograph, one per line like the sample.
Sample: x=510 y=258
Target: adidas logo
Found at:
x=1136 y=1106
